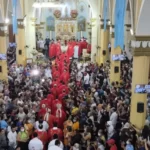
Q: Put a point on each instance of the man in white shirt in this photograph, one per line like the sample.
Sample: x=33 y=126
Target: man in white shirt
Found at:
x=86 y=81
x=12 y=137
x=56 y=146
x=35 y=143
x=79 y=76
x=114 y=117
x=52 y=143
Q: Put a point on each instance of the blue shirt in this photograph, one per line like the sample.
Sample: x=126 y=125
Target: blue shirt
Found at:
x=129 y=147
x=3 y=124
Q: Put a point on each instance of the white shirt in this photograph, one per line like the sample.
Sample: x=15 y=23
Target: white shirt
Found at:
x=76 y=50
x=48 y=73
x=113 y=118
x=54 y=148
x=64 y=48
x=79 y=76
x=12 y=138
x=52 y=143
x=21 y=116
x=35 y=144
x=45 y=125
x=86 y=79
x=101 y=147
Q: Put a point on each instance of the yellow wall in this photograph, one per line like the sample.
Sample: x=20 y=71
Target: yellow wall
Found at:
x=114 y=76
x=3 y=63
x=104 y=45
x=20 y=39
x=140 y=76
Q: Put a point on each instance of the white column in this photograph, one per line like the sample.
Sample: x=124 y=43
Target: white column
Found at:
x=94 y=42
x=30 y=36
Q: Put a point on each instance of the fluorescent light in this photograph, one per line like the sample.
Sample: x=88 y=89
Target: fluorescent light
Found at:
x=131 y=31
x=36 y=5
x=46 y=5
x=6 y=20
x=109 y=22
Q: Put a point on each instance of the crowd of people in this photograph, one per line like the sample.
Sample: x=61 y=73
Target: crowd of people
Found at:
x=68 y=105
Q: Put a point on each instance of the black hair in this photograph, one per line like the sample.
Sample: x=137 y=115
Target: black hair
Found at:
x=57 y=142
x=55 y=136
x=55 y=124
x=35 y=134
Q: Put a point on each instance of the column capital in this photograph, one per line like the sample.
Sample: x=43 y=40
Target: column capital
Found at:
x=112 y=31
x=140 y=45
x=3 y=29
x=20 y=23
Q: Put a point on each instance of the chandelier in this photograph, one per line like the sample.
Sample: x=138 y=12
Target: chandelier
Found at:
x=47 y=3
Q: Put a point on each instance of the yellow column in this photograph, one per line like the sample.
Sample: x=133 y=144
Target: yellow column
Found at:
x=114 y=77
x=104 y=52
x=20 y=40
x=141 y=66
x=3 y=49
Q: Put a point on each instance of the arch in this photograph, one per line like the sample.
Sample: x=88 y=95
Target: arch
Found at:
x=143 y=23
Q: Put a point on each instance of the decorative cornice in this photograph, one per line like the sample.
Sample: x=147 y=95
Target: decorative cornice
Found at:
x=33 y=19
x=140 y=45
x=3 y=30
x=20 y=23
x=42 y=23
x=128 y=25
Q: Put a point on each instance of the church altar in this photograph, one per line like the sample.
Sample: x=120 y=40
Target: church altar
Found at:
x=66 y=29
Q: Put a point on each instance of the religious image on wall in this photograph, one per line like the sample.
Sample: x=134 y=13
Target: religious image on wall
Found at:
x=81 y=24
x=50 y=24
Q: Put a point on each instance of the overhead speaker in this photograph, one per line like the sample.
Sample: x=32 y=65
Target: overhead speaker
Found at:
x=116 y=69
x=104 y=52
x=140 y=107
x=20 y=52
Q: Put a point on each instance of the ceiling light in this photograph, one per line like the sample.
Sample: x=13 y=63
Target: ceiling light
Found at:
x=131 y=31
x=6 y=20
x=46 y=5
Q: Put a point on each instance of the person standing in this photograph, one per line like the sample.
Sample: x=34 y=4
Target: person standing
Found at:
x=86 y=81
x=35 y=143
x=3 y=140
x=12 y=138
x=56 y=146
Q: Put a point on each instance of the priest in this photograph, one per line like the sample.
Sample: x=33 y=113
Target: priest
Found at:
x=49 y=118
x=55 y=130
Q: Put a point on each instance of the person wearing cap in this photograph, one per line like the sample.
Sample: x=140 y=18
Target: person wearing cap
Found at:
x=111 y=144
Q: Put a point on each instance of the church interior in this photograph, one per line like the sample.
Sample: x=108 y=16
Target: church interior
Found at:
x=82 y=60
